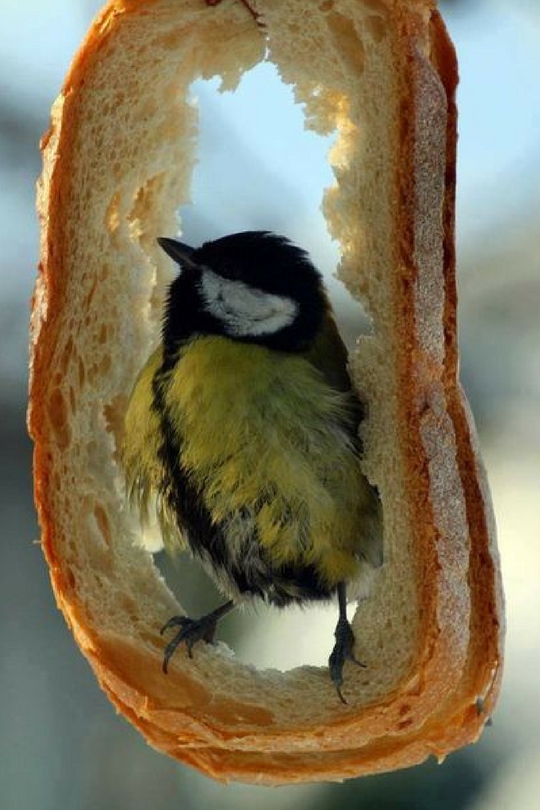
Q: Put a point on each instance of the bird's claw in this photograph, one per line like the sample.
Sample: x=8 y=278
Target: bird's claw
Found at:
x=191 y=631
x=343 y=651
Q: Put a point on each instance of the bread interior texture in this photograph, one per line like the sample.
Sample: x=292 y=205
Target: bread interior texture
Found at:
x=127 y=169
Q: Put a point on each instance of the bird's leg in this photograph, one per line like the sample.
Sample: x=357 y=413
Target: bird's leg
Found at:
x=192 y=630
x=344 y=646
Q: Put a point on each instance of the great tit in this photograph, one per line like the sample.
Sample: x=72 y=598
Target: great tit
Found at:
x=242 y=430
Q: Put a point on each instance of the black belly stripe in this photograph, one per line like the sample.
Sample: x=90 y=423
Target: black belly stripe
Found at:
x=279 y=586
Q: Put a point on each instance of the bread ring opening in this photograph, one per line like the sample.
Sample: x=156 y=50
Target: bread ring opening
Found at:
x=258 y=167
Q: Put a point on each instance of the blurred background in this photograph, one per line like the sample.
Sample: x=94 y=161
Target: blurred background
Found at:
x=61 y=744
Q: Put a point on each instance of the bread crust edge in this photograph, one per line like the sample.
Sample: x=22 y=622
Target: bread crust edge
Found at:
x=460 y=718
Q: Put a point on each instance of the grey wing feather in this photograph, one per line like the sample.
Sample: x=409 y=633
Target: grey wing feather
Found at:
x=329 y=356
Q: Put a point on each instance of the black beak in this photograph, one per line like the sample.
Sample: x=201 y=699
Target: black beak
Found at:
x=180 y=253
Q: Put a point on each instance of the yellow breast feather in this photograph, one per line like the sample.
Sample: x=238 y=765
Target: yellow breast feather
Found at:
x=267 y=440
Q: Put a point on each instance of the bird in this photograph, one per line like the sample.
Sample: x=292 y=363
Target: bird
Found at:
x=242 y=433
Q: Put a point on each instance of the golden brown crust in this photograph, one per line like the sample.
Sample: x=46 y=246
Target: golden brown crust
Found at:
x=433 y=708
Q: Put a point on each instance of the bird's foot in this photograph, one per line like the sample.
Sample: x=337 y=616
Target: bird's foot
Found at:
x=343 y=651
x=191 y=631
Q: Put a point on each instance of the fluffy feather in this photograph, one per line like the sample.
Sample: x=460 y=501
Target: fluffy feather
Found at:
x=269 y=449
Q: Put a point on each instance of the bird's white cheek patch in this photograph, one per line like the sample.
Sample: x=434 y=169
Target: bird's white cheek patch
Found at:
x=245 y=310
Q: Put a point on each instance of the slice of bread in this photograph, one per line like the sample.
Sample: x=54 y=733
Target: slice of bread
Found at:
x=117 y=163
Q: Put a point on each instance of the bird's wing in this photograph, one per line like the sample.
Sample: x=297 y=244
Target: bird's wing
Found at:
x=329 y=356
x=142 y=442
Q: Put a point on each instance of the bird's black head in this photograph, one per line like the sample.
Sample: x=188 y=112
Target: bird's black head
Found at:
x=253 y=287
